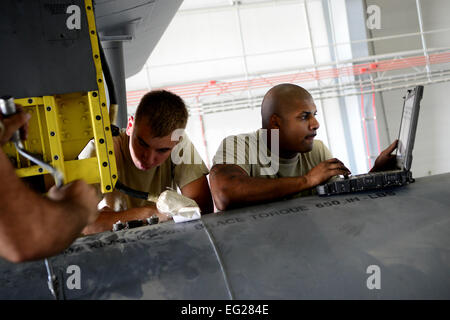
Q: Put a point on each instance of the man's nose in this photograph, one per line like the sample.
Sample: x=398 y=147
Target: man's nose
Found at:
x=314 y=124
x=152 y=157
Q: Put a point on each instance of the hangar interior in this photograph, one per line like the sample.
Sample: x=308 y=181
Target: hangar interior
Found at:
x=222 y=56
x=356 y=57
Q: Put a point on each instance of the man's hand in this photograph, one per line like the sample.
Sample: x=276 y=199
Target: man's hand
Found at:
x=324 y=171
x=79 y=195
x=17 y=121
x=386 y=160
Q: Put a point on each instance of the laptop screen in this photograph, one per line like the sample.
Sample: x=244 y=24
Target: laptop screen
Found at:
x=408 y=127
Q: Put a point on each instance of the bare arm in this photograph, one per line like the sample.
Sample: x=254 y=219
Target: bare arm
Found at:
x=386 y=160
x=198 y=190
x=231 y=186
x=31 y=226
x=108 y=217
x=34 y=227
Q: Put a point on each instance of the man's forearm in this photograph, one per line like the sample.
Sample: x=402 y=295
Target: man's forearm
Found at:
x=32 y=227
x=234 y=190
x=107 y=218
x=40 y=229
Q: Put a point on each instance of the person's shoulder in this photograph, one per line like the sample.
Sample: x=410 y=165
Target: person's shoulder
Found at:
x=320 y=151
x=121 y=137
x=319 y=145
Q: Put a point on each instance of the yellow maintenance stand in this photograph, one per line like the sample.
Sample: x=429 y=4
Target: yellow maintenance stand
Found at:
x=62 y=124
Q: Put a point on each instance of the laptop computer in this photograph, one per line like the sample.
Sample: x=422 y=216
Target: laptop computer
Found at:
x=383 y=179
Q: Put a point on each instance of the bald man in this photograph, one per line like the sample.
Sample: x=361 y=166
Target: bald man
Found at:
x=282 y=159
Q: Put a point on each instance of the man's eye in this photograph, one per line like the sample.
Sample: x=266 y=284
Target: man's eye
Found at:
x=142 y=143
x=163 y=150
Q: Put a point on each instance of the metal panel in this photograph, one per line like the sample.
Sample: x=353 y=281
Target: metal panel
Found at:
x=298 y=249
x=40 y=55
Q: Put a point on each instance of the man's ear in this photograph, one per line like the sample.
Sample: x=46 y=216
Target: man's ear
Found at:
x=130 y=124
x=275 y=122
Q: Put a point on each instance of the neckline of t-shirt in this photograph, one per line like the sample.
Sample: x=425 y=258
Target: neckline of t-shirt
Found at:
x=280 y=159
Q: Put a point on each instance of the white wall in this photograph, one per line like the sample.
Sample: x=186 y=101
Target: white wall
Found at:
x=432 y=147
x=203 y=45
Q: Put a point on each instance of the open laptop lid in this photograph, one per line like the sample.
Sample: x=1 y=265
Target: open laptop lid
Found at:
x=408 y=127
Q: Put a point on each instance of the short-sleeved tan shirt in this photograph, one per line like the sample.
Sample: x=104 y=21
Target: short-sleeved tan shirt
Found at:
x=155 y=180
x=261 y=164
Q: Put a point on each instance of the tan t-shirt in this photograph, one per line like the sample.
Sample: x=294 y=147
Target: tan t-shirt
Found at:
x=153 y=181
x=244 y=150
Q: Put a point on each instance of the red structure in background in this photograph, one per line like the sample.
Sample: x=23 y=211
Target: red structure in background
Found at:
x=218 y=88
x=214 y=87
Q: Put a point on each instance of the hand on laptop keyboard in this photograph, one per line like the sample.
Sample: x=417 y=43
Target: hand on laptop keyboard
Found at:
x=386 y=160
x=325 y=170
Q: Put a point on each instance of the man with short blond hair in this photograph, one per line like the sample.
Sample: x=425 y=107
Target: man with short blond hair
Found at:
x=144 y=161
